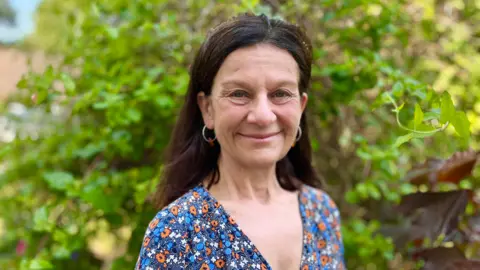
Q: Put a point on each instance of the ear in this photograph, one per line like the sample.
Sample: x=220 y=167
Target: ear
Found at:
x=303 y=101
x=205 y=104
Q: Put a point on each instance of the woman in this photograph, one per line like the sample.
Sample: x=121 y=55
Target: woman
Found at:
x=239 y=191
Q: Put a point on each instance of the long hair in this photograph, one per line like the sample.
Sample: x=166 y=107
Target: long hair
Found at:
x=190 y=160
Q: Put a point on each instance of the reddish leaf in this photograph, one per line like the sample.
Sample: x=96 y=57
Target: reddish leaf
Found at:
x=433 y=213
x=425 y=173
x=459 y=166
x=438 y=257
x=453 y=170
x=404 y=234
x=463 y=265
x=442 y=258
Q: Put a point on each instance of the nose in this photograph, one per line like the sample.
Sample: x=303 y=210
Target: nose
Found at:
x=261 y=112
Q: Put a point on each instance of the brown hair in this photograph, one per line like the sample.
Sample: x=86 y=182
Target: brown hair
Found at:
x=189 y=158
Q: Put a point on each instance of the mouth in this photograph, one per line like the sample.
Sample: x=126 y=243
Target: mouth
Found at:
x=260 y=136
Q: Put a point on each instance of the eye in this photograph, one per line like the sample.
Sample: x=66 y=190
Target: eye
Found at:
x=239 y=94
x=282 y=94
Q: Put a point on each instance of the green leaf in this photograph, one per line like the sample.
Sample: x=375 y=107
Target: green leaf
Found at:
x=433 y=114
x=40 y=264
x=447 y=109
x=405 y=138
x=59 y=180
x=397 y=89
x=68 y=83
x=100 y=105
x=112 y=32
x=90 y=150
x=418 y=118
x=134 y=115
x=462 y=125
x=373 y=191
x=351 y=197
x=362 y=190
x=363 y=154
x=40 y=220
x=96 y=193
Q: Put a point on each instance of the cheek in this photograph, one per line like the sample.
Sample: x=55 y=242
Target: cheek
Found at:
x=227 y=116
x=289 y=116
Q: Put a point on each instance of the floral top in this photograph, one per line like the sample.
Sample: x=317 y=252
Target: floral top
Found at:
x=195 y=232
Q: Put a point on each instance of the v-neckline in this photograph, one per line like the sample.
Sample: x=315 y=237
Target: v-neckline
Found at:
x=250 y=242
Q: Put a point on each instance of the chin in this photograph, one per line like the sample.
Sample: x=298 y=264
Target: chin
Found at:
x=259 y=159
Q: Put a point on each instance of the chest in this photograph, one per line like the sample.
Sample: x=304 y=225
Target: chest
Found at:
x=277 y=233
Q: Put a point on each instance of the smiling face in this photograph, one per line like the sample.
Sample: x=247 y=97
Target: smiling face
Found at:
x=255 y=105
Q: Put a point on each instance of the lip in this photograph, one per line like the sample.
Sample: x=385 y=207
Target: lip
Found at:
x=259 y=136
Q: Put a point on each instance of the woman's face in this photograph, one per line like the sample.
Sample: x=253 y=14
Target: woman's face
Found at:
x=255 y=105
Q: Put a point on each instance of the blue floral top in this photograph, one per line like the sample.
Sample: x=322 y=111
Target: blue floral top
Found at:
x=195 y=232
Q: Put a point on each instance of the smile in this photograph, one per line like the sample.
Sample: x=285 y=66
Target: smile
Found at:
x=260 y=137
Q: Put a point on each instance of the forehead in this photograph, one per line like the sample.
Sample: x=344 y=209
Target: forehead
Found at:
x=260 y=62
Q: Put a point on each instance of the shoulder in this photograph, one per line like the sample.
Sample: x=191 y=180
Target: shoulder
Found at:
x=323 y=212
x=321 y=209
x=166 y=240
x=318 y=198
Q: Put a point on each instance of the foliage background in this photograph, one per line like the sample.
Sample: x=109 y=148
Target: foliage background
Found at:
x=75 y=181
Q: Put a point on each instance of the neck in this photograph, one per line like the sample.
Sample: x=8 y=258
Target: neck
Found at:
x=238 y=182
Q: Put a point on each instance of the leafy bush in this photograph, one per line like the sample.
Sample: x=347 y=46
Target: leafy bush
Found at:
x=76 y=179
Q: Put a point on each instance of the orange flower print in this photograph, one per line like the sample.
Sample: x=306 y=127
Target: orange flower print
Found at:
x=205 y=267
x=196 y=227
x=196 y=195
x=174 y=210
x=324 y=260
x=160 y=257
x=322 y=227
x=146 y=241
x=220 y=263
x=154 y=223
x=205 y=208
x=193 y=210
x=263 y=267
x=305 y=267
x=166 y=232
x=321 y=244
x=231 y=220
x=309 y=237
x=214 y=223
x=209 y=251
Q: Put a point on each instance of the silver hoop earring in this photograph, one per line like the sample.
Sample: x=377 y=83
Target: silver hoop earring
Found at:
x=209 y=140
x=299 y=135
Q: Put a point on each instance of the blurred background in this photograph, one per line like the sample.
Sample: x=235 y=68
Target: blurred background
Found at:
x=89 y=92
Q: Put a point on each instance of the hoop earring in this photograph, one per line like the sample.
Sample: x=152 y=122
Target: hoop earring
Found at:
x=209 y=140
x=299 y=135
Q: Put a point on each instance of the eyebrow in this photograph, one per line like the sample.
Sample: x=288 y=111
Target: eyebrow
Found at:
x=235 y=82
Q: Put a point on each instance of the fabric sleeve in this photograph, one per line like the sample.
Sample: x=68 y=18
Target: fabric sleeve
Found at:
x=163 y=246
x=336 y=229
